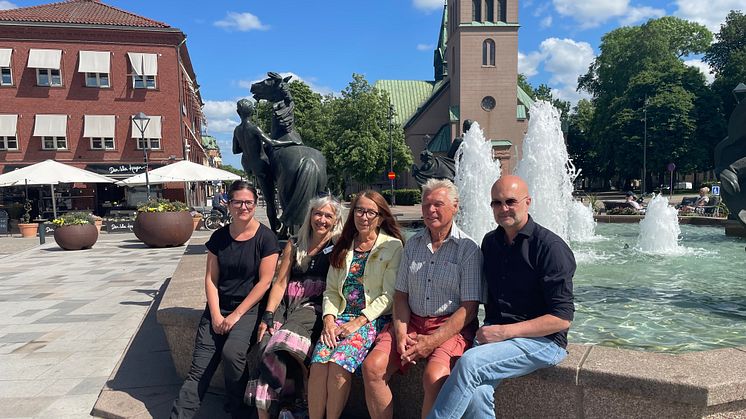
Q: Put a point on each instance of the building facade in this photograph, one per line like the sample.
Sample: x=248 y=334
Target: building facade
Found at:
x=475 y=77
x=73 y=76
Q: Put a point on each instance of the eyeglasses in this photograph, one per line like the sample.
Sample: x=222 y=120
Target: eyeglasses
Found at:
x=368 y=213
x=237 y=203
x=510 y=202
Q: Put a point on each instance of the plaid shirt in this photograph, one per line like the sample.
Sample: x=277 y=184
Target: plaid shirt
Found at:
x=438 y=282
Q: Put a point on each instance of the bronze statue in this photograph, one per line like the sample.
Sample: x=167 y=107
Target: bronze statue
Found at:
x=298 y=171
x=730 y=164
x=439 y=167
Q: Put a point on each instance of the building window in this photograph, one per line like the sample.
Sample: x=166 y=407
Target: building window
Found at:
x=153 y=143
x=476 y=10
x=502 y=10
x=488 y=103
x=102 y=143
x=97 y=79
x=143 y=82
x=8 y=143
x=6 y=77
x=488 y=53
x=48 y=77
x=489 y=7
x=54 y=143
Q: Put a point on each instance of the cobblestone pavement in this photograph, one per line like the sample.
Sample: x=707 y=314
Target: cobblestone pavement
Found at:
x=67 y=316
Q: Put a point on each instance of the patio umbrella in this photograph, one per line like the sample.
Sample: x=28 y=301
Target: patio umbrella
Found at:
x=50 y=172
x=182 y=171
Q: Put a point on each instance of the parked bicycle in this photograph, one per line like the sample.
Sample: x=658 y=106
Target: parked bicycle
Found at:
x=216 y=220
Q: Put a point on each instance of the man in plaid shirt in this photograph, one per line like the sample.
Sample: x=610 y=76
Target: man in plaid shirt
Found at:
x=438 y=289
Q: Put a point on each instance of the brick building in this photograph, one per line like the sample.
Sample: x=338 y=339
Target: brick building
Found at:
x=72 y=75
x=475 y=77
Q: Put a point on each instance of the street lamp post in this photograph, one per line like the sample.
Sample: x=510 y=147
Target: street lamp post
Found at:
x=391 y=155
x=644 y=146
x=141 y=122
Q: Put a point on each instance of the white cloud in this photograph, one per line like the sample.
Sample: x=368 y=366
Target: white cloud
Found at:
x=310 y=81
x=641 y=14
x=710 y=13
x=5 y=5
x=703 y=67
x=221 y=115
x=528 y=64
x=241 y=22
x=428 y=5
x=591 y=13
x=564 y=59
x=425 y=47
x=545 y=22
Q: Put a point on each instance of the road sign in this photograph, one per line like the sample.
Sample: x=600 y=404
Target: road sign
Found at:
x=392 y=175
x=716 y=190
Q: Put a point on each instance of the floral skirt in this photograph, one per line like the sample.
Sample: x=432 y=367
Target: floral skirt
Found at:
x=352 y=350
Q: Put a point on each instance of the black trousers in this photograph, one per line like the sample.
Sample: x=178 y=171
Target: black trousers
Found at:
x=209 y=348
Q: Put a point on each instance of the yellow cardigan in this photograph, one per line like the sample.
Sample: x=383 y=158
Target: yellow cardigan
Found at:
x=378 y=278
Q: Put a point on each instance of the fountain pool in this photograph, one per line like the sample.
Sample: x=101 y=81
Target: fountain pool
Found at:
x=689 y=302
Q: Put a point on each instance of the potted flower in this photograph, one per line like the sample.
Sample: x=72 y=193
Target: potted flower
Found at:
x=75 y=231
x=27 y=228
x=163 y=223
x=196 y=218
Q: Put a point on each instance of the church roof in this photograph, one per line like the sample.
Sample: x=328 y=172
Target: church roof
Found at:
x=406 y=96
x=79 y=12
x=209 y=142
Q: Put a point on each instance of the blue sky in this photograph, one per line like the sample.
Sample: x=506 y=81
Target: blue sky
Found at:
x=233 y=43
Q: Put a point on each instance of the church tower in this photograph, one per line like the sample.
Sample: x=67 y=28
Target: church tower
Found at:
x=482 y=64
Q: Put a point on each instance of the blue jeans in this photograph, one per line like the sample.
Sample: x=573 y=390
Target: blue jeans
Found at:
x=469 y=391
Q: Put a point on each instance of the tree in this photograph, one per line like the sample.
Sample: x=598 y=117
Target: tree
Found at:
x=358 y=146
x=579 y=145
x=727 y=58
x=639 y=73
x=544 y=92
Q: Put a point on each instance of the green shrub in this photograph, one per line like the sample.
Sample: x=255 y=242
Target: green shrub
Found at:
x=403 y=196
x=622 y=211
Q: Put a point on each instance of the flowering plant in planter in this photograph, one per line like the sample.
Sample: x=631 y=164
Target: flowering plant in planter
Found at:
x=73 y=218
x=162 y=205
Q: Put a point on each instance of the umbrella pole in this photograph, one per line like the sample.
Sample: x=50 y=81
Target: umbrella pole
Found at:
x=54 y=201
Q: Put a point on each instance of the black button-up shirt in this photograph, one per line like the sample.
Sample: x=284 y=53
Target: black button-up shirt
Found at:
x=529 y=278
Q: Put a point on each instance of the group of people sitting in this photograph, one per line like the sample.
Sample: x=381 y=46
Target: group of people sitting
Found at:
x=702 y=201
x=351 y=297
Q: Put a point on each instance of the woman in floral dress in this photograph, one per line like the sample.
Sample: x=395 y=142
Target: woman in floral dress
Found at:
x=357 y=301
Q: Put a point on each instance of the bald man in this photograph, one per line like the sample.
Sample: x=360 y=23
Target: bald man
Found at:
x=529 y=306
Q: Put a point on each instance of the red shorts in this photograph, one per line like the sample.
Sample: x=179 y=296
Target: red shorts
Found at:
x=446 y=354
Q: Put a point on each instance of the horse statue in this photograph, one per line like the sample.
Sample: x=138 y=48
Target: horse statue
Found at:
x=298 y=171
x=730 y=164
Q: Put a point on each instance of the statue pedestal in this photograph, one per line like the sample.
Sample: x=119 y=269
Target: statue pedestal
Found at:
x=735 y=228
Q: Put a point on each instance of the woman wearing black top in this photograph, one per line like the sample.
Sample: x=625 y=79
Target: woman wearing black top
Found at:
x=241 y=262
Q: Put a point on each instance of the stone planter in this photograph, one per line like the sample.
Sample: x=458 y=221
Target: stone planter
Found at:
x=163 y=229
x=76 y=237
x=28 y=229
x=196 y=221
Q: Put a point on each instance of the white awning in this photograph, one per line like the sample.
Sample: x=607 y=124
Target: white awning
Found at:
x=50 y=126
x=94 y=62
x=44 y=58
x=99 y=126
x=8 y=124
x=5 y=57
x=144 y=64
x=152 y=130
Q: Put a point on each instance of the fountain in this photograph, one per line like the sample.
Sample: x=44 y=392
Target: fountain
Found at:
x=549 y=173
x=659 y=230
x=476 y=171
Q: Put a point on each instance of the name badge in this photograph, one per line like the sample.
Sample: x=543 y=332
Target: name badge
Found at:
x=328 y=249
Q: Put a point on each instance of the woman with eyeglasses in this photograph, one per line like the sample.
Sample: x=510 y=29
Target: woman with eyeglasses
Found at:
x=357 y=301
x=291 y=324
x=241 y=261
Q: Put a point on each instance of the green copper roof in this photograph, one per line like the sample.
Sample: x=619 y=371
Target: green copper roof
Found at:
x=406 y=96
x=441 y=143
x=454 y=112
x=501 y=143
x=209 y=142
x=440 y=63
x=524 y=98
